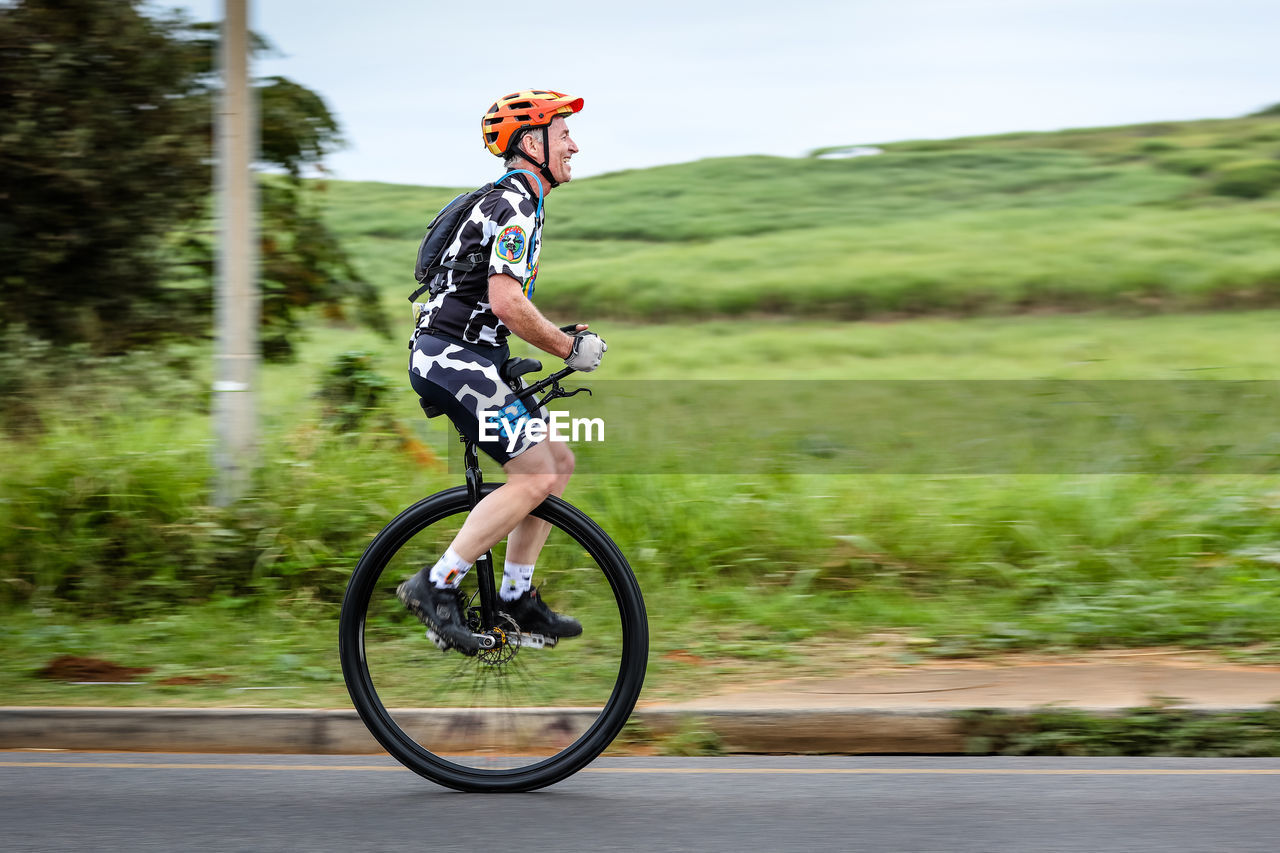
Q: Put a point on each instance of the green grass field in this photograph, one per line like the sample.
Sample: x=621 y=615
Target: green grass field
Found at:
x=745 y=573
x=1070 y=256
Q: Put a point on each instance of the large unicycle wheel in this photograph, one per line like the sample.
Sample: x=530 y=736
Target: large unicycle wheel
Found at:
x=530 y=710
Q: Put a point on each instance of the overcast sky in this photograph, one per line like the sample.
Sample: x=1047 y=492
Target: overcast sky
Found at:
x=668 y=81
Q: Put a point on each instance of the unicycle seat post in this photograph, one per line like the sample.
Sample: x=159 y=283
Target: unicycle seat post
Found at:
x=475 y=479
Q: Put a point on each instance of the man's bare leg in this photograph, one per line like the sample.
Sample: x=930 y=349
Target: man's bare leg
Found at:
x=540 y=471
x=526 y=540
x=533 y=475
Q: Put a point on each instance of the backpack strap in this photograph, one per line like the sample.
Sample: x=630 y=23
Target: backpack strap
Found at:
x=464 y=265
x=537 y=215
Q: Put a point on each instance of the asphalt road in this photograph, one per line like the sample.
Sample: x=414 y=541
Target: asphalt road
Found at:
x=136 y=802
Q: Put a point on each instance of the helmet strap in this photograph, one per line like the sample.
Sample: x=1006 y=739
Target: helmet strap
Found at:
x=545 y=166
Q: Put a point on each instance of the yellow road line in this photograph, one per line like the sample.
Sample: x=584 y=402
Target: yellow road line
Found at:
x=697 y=771
x=940 y=771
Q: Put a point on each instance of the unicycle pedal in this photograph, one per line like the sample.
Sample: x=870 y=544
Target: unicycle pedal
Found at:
x=537 y=641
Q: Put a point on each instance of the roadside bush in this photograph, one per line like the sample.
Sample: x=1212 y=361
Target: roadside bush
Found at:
x=110 y=516
x=352 y=390
x=1248 y=178
x=42 y=384
x=1157 y=729
x=24 y=368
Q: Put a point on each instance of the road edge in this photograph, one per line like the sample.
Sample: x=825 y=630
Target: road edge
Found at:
x=902 y=731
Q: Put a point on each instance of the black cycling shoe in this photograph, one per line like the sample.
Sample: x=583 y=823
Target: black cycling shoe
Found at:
x=533 y=616
x=441 y=611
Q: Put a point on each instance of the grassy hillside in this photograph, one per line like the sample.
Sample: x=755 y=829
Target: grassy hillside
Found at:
x=1169 y=216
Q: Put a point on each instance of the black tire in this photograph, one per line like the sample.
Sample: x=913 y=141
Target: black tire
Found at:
x=506 y=725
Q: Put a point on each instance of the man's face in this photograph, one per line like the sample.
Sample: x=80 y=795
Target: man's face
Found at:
x=562 y=148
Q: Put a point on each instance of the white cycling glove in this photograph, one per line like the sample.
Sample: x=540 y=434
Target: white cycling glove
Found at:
x=588 y=349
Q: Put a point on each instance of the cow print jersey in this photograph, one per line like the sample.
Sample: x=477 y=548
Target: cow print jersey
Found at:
x=505 y=227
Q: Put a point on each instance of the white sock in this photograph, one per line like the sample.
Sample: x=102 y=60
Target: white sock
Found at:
x=449 y=571
x=517 y=579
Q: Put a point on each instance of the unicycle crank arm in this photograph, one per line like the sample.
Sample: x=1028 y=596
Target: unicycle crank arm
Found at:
x=486 y=641
x=490 y=641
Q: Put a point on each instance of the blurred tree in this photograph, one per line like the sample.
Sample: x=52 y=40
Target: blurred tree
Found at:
x=105 y=175
x=302 y=264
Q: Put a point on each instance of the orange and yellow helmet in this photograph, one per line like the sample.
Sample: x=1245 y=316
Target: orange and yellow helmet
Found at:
x=527 y=108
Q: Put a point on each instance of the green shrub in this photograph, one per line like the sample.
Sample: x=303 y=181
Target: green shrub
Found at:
x=352 y=390
x=1194 y=162
x=1158 y=729
x=42 y=384
x=110 y=515
x=24 y=367
x=1248 y=178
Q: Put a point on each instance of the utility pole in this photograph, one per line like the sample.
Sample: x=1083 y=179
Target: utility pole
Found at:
x=238 y=305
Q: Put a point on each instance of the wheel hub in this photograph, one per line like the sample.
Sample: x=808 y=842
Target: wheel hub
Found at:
x=500 y=644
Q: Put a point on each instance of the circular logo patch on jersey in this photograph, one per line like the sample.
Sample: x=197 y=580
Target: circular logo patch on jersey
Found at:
x=511 y=243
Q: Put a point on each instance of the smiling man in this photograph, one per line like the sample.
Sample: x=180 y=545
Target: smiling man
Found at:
x=482 y=292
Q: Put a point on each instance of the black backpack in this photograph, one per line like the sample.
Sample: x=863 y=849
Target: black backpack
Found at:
x=441 y=233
